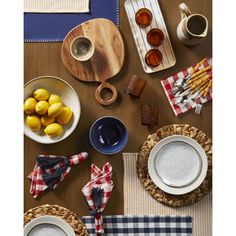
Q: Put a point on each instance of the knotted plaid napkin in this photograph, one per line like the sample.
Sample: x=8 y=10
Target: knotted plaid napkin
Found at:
x=50 y=170
x=97 y=192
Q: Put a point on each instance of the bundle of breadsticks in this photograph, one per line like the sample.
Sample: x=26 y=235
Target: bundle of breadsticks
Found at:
x=201 y=80
x=198 y=82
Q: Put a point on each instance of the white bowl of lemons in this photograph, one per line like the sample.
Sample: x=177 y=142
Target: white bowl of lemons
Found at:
x=52 y=109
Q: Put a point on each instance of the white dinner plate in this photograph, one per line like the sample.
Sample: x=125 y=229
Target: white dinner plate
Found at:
x=48 y=226
x=177 y=164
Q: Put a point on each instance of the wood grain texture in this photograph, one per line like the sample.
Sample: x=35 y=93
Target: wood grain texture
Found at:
x=98 y=94
x=45 y=58
x=106 y=61
x=109 y=51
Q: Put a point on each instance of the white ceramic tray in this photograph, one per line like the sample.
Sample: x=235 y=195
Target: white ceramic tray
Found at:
x=131 y=7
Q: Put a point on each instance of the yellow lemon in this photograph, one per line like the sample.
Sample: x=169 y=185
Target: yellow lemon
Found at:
x=54 y=98
x=41 y=94
x=29 y=105
x=42 y=107
x=47 y=120
x=65 y=116
x=53 y=129
x=55 y=109
x=33 y=123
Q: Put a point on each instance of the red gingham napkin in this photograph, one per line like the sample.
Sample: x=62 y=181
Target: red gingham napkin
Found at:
x=37 y=177
x=168 y=84
x=97 y=192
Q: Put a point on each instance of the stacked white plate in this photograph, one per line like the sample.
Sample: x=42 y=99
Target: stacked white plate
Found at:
x=177 y=164
x=48 y=226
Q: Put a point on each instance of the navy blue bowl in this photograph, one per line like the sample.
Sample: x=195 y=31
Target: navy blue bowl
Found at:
x=108 y=135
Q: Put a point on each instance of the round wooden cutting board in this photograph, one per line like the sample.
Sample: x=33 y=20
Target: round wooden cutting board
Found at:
x=107 y=59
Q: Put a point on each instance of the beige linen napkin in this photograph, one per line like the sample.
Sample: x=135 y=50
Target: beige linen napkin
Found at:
x=56 y=6
x=138 y=201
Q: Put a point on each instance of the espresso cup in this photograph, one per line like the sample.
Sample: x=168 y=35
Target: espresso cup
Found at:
x=143 y=17
x=82 y=48
x=193 y=28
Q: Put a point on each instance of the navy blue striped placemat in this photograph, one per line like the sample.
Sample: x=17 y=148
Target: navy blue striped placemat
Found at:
x=53 y=27
x=142 y=225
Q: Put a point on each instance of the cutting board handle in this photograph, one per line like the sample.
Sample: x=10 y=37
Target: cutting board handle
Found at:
x=105 y=85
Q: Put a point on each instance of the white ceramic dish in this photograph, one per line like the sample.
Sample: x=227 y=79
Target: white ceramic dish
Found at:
x=177 y=164
x=48 y=226
x=69 y=98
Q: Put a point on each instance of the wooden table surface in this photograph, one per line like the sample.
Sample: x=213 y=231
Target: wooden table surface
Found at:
x=44 y=59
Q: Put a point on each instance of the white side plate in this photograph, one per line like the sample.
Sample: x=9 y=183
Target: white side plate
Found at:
x=177 y=164
x=48 y=226
x=131 y=7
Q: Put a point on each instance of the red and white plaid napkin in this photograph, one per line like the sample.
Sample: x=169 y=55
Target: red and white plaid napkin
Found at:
x=50 y=171
x=97 y=192
x=168 y=84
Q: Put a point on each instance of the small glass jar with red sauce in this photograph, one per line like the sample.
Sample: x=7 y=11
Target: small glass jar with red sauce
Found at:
x=155 y=37
x=153 y=57
x=143 y=17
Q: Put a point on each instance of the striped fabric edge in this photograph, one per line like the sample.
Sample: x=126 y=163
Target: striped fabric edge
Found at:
x=118 y=13
x=137 y=201
x=56 y=6
x=178 y=225
x=60 y=40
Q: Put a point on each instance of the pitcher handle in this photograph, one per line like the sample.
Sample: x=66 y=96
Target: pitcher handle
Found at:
x=184 y=10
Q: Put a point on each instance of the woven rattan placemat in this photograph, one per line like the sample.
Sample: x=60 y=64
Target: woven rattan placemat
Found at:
x=60 y=212
x=142 y=165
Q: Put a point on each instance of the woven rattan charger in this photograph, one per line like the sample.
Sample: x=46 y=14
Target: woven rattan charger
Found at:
x=142 y=165
x=60 y=212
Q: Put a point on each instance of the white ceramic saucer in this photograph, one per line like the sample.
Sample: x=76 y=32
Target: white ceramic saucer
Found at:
x=177 y=164
x=48 y=226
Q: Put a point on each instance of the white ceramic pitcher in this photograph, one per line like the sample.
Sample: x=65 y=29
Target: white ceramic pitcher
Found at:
x=193 y=28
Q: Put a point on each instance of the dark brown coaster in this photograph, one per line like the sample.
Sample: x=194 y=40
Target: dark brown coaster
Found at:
x=149 y=115
x=142 y=165
x=60 y=212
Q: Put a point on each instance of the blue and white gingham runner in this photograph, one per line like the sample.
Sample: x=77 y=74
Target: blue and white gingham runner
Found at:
x=142 y=225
